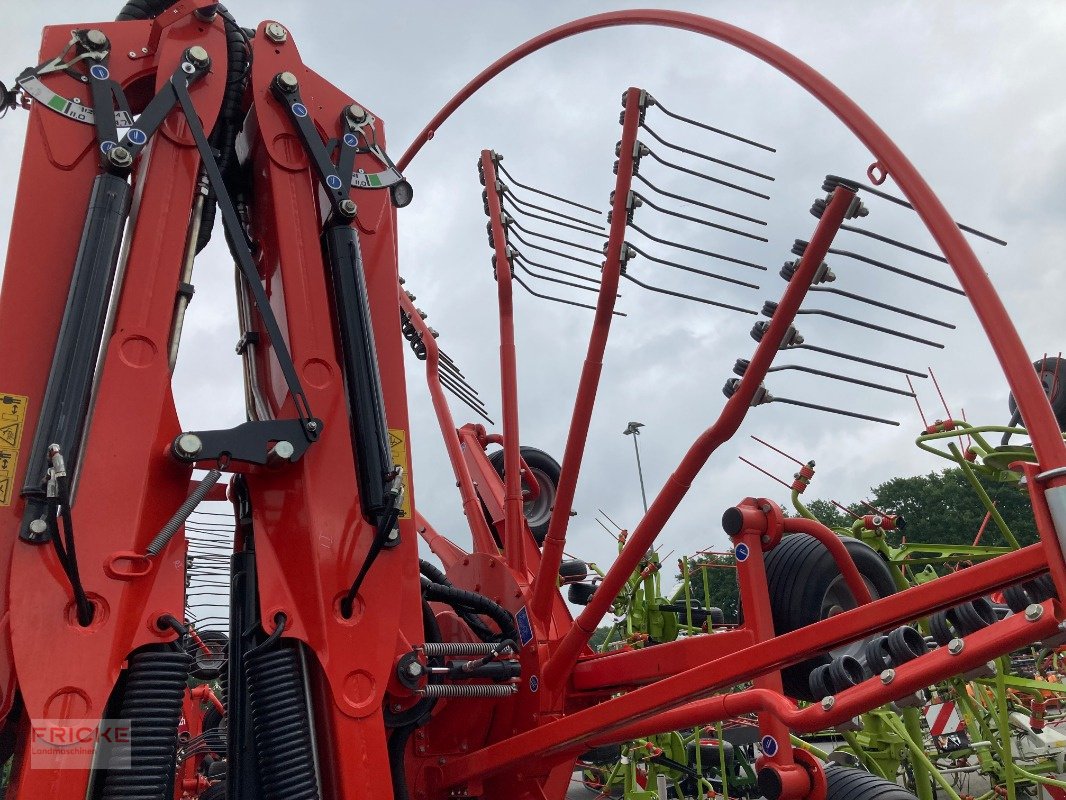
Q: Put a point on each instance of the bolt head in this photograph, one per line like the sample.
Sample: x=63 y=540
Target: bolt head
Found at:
x=38 y=527
x=1034 y=612
x=356 y=113
x=276 y=33
x=287 y=82
x=415 y=669
x=120 y=157
x=828 y=702
x=283 y=450
x=198 y=56
x=394 y=534
x=96 y=38
x=347 y=208
x=189 y=444
x=888 y=676
x=955 y=646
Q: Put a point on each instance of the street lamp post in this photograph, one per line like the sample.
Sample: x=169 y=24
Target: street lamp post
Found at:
x=634 y=429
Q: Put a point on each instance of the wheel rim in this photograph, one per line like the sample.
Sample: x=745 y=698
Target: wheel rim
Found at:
x=539 y=510
x=836 y=600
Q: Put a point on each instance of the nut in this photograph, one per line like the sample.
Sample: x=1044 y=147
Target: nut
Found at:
x=955 y=646
x=828 y=702
x=287 y=82
x=276 y=33
x=888 y=676
x=1034 y=612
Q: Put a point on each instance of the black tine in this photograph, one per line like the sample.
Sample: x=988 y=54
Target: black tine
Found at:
x=522 y=202
x=693 y=269
x=531 y=273
x=519 y=255
x=902 y=245
x=691 y=249
x=886 y=306
x=541 y=192
x=899 y=201
x=714 y=225
x=707 y=127
x=836 y=377
x=708 y=206
x=523 y=284
x=798 y=250
x=450 y=367
x=683 y=296
x=459 y=390
x=540 y=235
x=704 y=156
x=857 y=359
x=870 y=325
x=832 y=410
x=469 y=405
x=593 y=264
x=516 y=208
x=706 y=177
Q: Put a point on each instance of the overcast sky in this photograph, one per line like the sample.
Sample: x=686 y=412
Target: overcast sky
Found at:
x=972 y=92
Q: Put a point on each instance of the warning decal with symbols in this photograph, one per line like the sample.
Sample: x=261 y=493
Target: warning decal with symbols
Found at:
x=12 y=422
x=398 y=449
x=943 y=718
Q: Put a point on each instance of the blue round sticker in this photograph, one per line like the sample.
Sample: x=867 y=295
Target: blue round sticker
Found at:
x=99 y=71
x=333 y=182
x=769 y=745
x=534 y=683
x=137 y=136
x=299 y=109
x=105 y=147
x=741 y=551
x=350 y=140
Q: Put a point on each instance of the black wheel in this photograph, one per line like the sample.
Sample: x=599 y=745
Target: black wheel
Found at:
x=844 y=783
x=208 y=666
x=604 y=754
x=1053 y=375
x=805 y=587
x=546 y=471
x=573 y=569
x=580 y=593
x=717 y=615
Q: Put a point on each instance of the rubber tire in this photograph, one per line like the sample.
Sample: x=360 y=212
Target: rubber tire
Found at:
x=717 y=615
x=844 y=783
x=799 y=572
x=604 y=754
x=580 y=593
x=548 y=467
x=573 y=569
x=208 y=668
x=1053 y=367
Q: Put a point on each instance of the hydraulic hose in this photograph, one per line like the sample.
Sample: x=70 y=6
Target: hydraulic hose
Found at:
x=461 y=598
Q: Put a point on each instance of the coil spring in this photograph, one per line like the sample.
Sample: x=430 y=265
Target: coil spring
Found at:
x=280 y=724
x=458 y=648
x=469 y=690
x=155 y=688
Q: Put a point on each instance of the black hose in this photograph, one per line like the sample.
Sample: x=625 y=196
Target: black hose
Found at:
x=224 y=135
x=461 y=598
x=473 y=621
x=397 y=749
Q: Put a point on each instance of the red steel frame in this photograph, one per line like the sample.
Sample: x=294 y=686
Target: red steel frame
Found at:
x=310 y=537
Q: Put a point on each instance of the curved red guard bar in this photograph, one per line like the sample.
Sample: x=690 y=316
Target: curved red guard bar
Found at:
x=835 y=545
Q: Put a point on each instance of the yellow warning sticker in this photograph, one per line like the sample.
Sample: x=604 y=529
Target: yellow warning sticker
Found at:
x=8 y=462
x=12 y=422
x=398 y=449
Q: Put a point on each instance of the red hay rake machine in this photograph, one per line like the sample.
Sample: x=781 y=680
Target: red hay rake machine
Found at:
x=353 y=669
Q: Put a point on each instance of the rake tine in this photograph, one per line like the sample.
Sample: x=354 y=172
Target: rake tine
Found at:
x=886 y=306
x=800 y=245
x=620 y=528
x=451 y=366
x=470 y=405
x=518 y=236
x=708 y=206
x=831 y=410
x=519 y=256
x=693 y=269
x=767 y=473
x=858 y=359
x=715 y=225
x=902 y=245
x=512 y=179
x=869 y=325
x=522 y=202
x=531 y=273
x=697 y=250
x=832 y=180
x=706 y=177
x=517 y=209
x=459 y=389
x=704 y=156
x=707 y=127
x=845 y=378
x=683 y=296
x=523 y=284
x=529 y=232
